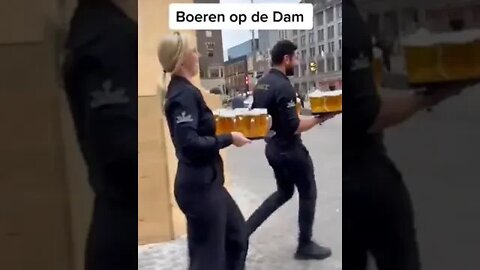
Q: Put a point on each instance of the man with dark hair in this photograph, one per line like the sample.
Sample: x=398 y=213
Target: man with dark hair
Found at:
x=285 y=151
x=100 y=75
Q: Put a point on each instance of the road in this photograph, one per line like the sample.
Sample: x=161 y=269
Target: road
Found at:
x=273 y=244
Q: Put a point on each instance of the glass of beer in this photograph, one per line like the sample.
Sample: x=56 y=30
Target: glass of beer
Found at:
x=242 y=121
x=317 y=102
x=259 y=123
x=298 y=106
x=226 y=122
x=333 y=101
x=216 y=115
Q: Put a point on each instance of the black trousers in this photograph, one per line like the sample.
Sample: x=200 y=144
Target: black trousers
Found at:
x=216 y=231
x=113 y=239
x=292 y=167
x=378 y=216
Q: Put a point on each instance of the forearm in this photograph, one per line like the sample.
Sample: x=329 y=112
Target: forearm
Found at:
x=396 y=109
x=306 y=124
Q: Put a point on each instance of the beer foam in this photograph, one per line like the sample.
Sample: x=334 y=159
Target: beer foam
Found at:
x=257 y=111
x=424 y=38
x=228 y=113
x=319 y=94
x=241 y=111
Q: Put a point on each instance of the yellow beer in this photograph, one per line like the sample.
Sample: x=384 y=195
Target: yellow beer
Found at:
x=242 y=121
x=323 y=102
x=298 y=106
x=259 y=123
x=226 y=122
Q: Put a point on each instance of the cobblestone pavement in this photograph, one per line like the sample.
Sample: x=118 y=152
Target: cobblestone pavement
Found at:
x=274 y=243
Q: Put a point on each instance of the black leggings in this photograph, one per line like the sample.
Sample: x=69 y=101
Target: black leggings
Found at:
x=378 y=217
x=217 y=237
x=113 y=238
x=292 y=167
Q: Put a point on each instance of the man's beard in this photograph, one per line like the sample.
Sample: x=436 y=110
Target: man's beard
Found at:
x=289 y=71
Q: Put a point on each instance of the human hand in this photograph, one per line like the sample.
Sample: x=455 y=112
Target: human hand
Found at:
x=324 y=117
x=239 y=139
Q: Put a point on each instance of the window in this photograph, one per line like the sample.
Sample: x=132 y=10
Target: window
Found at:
x=210 y=47
x=304 y=54
x=321 y=66
x=311 y=37
x=339 y=27
x=304 y=69
x=330 y=64
x=339 y=11
x=214 y=73
x=208 y=34
x=339 y=63
x=302 y=41
x=340 y=44
x=330 y=15
x=319 y=18
x=321 y=35
x=295 y=32
x=331 y=47
x=330 y=32
x=321 y=50
x=312 y=52
x=296 y=71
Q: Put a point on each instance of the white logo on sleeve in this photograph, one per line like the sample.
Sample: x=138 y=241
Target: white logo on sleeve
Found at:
x=362 y=62
x=106 y=96
x=291 y=104
x=184 y=118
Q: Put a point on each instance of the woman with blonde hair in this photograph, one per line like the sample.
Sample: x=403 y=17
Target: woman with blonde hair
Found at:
x=217 y=238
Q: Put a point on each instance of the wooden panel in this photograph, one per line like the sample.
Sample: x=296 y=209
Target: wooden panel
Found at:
x=21 y=21
x=35 y=221
x=154 y=211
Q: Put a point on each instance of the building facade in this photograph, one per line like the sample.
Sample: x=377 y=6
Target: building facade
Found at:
x=210 y=47
x=320 y=47
x=242 y=49
x=236 y=74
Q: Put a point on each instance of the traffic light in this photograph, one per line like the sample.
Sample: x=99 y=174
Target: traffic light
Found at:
x=313 y=66
x=247 y=80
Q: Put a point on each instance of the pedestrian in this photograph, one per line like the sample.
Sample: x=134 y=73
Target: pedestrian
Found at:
x=100 y=79
x=378 y=213
x=285 y=151
x=216 y=231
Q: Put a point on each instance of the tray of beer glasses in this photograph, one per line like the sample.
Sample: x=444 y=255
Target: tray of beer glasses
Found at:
x=433 y=59
x=326 y=102
x=254 y=124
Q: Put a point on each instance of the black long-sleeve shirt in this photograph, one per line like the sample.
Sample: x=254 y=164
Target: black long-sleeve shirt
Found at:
x=192 y=124
x=275 y=93
x=100 y=75
x=361 y=99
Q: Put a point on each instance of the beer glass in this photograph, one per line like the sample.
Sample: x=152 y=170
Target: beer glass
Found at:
x=242 y=121
x=317 y=102
x=325 y=102
x=259 y=123
x=226 y=122
x=333 y=101
x=298 y=106
x=216 y=115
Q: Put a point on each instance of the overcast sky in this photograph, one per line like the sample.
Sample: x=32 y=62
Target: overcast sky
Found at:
x=235 y=37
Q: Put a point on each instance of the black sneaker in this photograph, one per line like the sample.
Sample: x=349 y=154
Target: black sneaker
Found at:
x=312 y=251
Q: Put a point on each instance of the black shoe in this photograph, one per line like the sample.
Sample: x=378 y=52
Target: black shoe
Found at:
x=312 y=251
